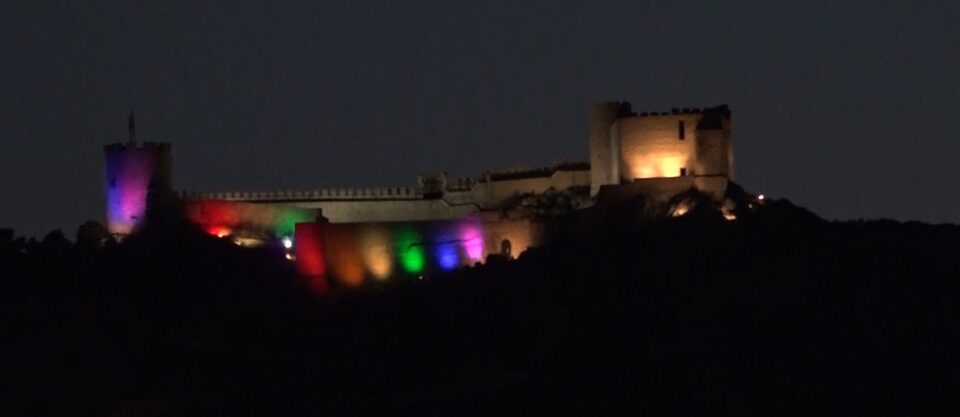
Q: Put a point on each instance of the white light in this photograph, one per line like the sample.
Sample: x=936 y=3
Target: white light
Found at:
x=760 y=197
x=289 y=257
x=287 y=243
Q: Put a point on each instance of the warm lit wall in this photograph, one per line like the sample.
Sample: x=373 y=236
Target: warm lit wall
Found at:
x=651 y=148
x=518 y=232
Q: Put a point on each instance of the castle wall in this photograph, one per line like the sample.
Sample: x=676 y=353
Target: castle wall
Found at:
x=393 y=204
x=652 y=147
x=352 y=254
x=239 y=219
x=495 y=194
x=387 y=210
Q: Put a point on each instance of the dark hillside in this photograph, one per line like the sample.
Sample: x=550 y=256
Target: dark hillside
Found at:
x=776 y=313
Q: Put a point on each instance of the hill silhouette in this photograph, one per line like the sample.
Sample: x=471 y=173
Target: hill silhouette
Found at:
x=776 y=313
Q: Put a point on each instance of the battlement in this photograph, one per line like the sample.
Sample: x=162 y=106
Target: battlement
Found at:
x=329 y=194
x=536 y=172
x=462 y=184
x=722 y=109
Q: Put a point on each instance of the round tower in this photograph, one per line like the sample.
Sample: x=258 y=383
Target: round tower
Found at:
x=604 y=146
x=133 y=172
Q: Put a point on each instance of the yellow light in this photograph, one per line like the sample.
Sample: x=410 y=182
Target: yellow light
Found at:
x=680 y=210
x=376 y=251
x=658 y=165
x=289 y=257
x=729 y=216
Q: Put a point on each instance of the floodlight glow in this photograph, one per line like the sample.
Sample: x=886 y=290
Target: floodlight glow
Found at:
x=471 y=237
x=129 y=172
x=376 y=251
x=409 y=246
x=446 y=255
x=219 y=231
x=287 y=242
x=311 y=256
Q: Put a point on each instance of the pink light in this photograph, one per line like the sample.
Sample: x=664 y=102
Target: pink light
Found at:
x=471 y=238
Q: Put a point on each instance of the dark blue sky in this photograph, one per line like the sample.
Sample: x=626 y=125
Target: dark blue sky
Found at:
x=847 y=110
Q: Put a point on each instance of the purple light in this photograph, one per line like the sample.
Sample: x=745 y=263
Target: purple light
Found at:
x=129 y=172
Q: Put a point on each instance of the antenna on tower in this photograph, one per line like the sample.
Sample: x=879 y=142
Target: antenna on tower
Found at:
x=132 y=125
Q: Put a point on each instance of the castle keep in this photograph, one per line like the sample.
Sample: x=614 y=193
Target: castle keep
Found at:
x=355 y=234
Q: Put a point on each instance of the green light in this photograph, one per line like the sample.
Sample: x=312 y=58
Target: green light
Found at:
x=288 y=218
x=410 y=248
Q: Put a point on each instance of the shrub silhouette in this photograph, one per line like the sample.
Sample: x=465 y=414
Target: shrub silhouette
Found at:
x=779 y=312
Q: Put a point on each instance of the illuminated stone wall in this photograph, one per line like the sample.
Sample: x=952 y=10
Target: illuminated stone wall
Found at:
x=246 y=220
x=683 y=142
x=651 y=146
x=626 y=147
x=352 y=254
x=363 y=205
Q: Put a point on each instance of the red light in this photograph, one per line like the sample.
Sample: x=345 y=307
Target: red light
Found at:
x=219 y=231
x=311 y=256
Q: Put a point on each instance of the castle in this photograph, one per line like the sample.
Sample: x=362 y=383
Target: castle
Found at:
x=351 y=235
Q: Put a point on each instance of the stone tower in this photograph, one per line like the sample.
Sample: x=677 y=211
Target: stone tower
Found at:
x=626 y=147
x=714 y=146
x=604 y=144
x=133 y=172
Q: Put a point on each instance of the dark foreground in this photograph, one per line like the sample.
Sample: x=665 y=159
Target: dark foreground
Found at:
x=777 y=313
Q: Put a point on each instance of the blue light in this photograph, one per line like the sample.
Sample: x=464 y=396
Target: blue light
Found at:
x=447 y=256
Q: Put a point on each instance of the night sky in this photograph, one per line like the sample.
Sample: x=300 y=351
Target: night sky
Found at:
x=849 y=111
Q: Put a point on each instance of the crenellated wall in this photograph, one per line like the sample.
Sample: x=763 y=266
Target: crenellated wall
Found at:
x=332 y=194
x=391 y=204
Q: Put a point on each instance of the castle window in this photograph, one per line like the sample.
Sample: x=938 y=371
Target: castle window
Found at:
x=683 y=172
x=680 y=130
